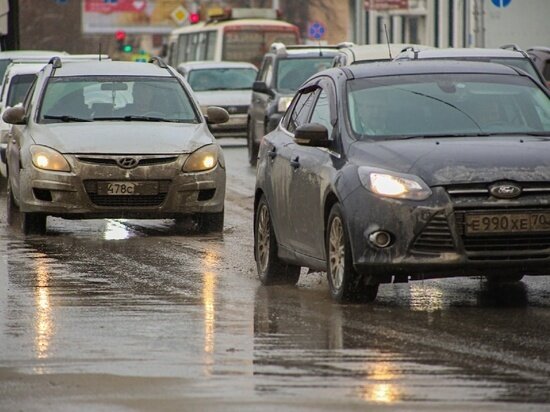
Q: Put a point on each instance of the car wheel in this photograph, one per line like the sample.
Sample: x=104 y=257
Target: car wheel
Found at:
x=11 y=207
x=344 y=282
x=33 y=223
x=271 y=269
x=252 y=146
x=210 y=222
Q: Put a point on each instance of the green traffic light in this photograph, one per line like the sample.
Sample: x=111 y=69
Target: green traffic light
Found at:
x=127 y=48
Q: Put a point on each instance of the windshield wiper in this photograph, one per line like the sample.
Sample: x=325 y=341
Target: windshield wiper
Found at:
x=141 y=119
x=65 y=118
x=436 y=136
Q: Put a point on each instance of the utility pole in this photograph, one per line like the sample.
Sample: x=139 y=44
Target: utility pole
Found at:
x=479 y=17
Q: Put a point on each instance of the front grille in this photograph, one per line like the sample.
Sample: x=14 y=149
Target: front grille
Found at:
x=506 y=246
x=142 y=160
x=127 y=201
x=435 y=237
x=481 y=191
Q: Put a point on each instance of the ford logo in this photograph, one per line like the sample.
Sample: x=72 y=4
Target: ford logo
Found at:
x=127 y=162
x=505 y=190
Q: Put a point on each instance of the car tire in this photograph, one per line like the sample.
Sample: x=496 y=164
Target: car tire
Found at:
x=210 y=222
x=33 y=223
x=11 y=207
x=271 y=269
x=345 y=284
x=253 y=147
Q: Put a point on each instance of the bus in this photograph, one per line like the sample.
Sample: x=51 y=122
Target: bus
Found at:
x=235 y=35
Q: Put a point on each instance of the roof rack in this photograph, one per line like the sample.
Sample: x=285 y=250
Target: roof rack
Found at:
x=279 y=47
x=413 y=50
x=514 y=47
x=55 y=62
x=158 y=61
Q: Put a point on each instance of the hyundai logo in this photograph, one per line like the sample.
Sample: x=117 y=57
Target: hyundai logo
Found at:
x=505 y=190
x=127 y=162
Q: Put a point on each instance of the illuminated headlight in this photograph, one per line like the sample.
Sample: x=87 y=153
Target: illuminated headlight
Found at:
x=283 y=104
x=390 y=184
x=202 y=159
x=48 y=159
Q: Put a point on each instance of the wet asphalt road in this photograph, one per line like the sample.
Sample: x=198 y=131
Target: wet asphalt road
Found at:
x=110 y=315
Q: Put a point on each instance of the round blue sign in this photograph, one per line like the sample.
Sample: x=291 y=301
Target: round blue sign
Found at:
x=316 y=30
x=501 y=3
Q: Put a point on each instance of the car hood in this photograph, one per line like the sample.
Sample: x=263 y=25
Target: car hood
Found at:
x=460 y=160
x=122 y=137
x=224 y=98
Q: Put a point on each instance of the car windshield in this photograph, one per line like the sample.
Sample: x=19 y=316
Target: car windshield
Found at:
x=235 y=78
x=116 y=98
x=19 y=86
x=446 y=105
x=292 y=72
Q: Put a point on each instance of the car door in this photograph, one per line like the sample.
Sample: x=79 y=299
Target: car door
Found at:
x=260 y=101
x=310 y=176
x=279 y=170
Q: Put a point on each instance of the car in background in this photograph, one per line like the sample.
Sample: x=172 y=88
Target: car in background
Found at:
x=223 y=84
x=368 y=53
x=283 y=70
x=17 y=80
x=113 y=140
x=390 y=172
x=511 y=56
x=6 y=57
x=541 y=58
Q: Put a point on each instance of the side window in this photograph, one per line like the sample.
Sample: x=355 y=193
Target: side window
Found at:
x=182 y=47
x=301 y=110
x=266 y=70
x=321 y=111
x=211 y=45
x=201 y=46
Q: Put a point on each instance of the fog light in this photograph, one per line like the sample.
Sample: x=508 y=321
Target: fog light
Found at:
x=380 y=239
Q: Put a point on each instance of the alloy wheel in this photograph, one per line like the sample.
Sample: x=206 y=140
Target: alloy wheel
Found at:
x=337 y=253
x=263 y=237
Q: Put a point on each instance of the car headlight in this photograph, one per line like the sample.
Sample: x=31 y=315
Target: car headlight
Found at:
x=283 y=104
x=48 y=159
x=202 y=159
x=395 y=185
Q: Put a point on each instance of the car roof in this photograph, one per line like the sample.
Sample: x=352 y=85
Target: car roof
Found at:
x=458 y=52
x=110 y=68
x=11 y=54
x=216 y=65
x=24 y=68
x=379 y=51
x=415 y=67
x=62 y=57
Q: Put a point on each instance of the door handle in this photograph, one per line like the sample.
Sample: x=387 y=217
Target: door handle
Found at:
x=295 y=163
x=272 y=153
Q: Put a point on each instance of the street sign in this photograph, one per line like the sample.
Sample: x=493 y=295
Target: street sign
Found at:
x=180 y=15
x=501 y=3
x=316 y=30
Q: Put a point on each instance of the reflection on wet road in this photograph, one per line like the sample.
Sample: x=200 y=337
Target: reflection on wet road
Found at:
x=127 y=315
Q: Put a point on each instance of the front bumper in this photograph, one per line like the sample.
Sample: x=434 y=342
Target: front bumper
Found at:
x=429 y=239
x=75 y=194
x=236 y=126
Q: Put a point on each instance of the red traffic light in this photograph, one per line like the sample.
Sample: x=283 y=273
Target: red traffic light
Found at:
x=194 y=18
x=120 y=35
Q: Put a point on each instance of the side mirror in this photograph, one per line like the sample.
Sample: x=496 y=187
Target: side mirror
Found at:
x=312 y=134
x=216 y=115
x=261 y=87
x=14 y=115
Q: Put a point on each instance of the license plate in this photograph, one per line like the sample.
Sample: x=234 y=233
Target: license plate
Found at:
x=127 y=188
x=479 y=224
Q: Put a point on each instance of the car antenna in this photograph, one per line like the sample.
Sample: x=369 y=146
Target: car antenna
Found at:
x=387 y=40
x=100 y=50
x=320 y=50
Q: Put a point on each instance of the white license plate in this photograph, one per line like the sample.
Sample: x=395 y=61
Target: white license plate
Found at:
x=127 y=188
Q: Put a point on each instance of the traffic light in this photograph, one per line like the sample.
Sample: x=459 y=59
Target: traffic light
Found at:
x=194 y=18
x=122 y=42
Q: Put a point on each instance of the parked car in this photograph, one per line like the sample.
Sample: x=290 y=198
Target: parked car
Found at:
x=368 y=53
x=510 y=56
x=113 y=139
x=541 y=58
x=283 y=70
x=389 y=172
x=6 y=57
x=223 y=84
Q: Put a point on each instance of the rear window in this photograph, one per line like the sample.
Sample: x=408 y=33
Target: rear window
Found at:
x=291 y=73
x=221 y=79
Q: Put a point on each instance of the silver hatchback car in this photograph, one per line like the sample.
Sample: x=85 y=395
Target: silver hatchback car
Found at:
x=117 y=140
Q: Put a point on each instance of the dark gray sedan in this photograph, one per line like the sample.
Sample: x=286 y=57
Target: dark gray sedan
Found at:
x=399 y=171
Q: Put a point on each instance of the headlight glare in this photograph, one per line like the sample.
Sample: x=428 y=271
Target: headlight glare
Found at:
x=395 y=185
x=202 y=159
x=48 y=159
x=283 y=104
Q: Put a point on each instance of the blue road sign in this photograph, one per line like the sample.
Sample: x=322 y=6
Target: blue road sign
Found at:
x=501 y=3
x=316 y=30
